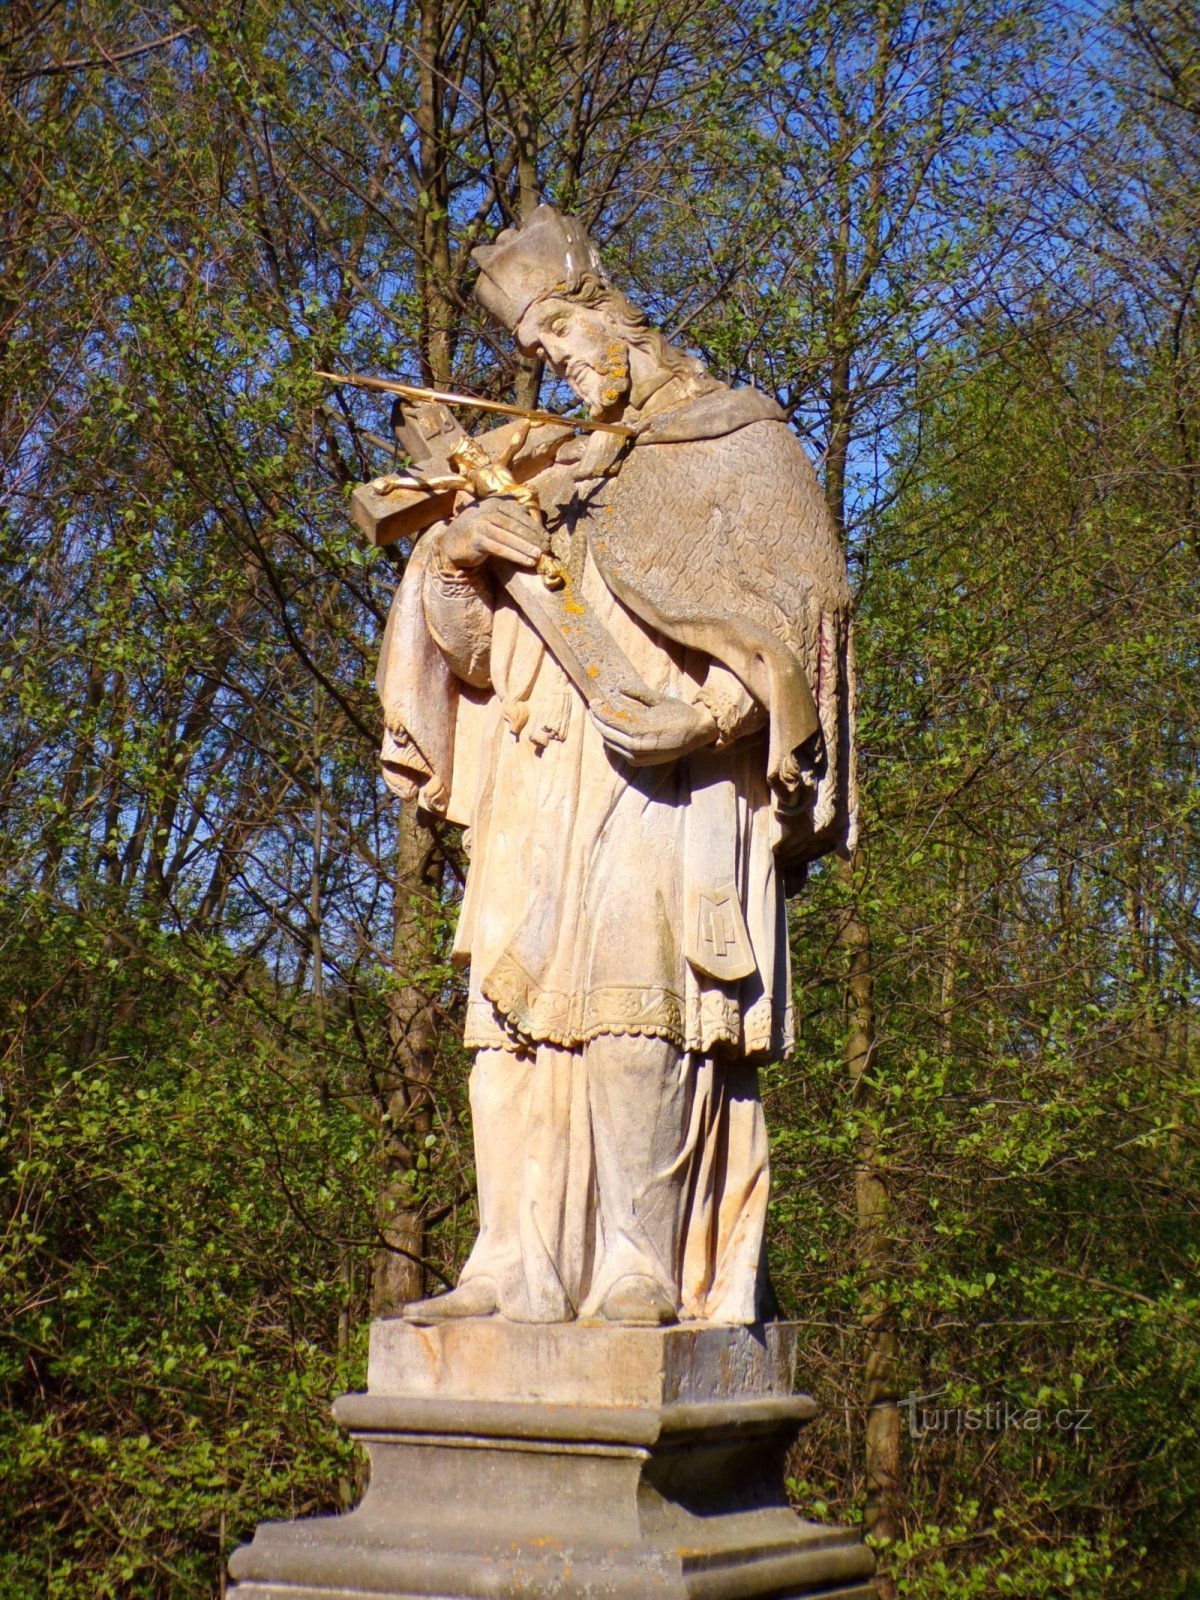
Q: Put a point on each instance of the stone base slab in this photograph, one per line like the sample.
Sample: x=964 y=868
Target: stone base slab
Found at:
x=675 y=1494
x=580 y=1364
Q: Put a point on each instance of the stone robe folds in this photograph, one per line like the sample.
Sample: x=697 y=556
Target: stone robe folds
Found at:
x=618 y=1126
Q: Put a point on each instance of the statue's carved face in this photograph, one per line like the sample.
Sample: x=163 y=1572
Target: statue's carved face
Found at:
x=582 y=346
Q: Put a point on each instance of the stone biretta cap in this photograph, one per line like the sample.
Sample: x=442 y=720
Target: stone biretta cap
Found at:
x=548 y=252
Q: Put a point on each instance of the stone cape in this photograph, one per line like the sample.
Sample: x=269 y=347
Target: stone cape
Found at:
x=713 y=515
x=716 y=498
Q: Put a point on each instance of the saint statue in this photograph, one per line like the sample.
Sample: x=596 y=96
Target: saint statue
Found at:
x=624 y=915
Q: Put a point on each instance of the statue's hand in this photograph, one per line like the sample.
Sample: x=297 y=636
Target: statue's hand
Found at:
x=498 y=526
x=669 y=730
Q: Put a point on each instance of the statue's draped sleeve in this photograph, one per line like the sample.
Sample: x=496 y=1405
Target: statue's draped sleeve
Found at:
x=433 y=684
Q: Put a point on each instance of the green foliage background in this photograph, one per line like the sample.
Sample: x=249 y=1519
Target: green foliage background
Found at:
x=960 y=244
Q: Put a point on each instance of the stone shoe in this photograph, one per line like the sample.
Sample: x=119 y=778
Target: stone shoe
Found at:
x=475 y=1298
x=638 y=1300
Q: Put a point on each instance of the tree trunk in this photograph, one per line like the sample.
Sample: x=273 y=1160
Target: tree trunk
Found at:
x=872 y=1216
x=399 y=1274
x=528 y=381
x=880 y=1397
x=437 y=310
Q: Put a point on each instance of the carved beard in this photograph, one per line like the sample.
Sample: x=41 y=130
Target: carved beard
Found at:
x=601 y=387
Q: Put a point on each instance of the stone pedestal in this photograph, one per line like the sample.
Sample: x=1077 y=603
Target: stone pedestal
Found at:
x=569 y=1461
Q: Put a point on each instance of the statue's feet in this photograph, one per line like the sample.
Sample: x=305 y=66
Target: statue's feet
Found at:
x=640 y=1301
x=475 y=1298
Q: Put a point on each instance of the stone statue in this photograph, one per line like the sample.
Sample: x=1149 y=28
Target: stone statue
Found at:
x=623 y=662
x=624 y=917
